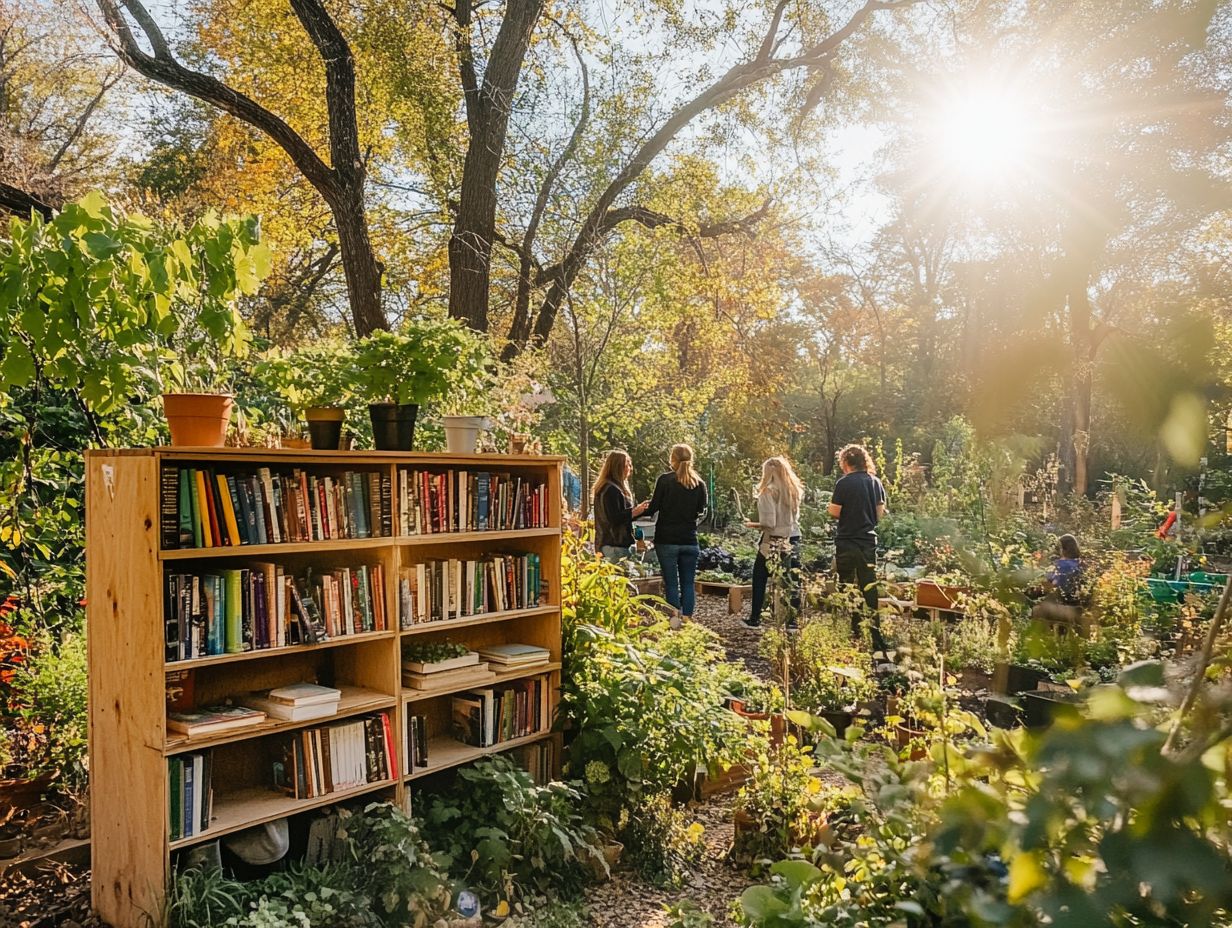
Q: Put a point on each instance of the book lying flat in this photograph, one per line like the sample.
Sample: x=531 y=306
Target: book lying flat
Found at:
x=515 y=654
x=211 y=720
x=303 y=694
x=284 y=713
x=462 y=676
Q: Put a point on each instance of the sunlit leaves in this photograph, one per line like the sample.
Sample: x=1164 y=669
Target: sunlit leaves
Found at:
x=101 y=303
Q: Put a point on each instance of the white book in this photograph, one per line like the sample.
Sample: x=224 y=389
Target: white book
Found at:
x=199 y=787
x=455 y=567
x=284 y=713
x=421 y=578
x=348 y=601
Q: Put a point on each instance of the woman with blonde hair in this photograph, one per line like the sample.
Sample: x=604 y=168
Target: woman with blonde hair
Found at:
x=680 y=502
x=778 y=516
x=613 y=507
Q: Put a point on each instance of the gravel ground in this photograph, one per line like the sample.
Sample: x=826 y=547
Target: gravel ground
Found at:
x=625 y=902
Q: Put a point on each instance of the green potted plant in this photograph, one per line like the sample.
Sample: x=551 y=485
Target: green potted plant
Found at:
x=396 y=372
x=469 y=401
x=313 y=383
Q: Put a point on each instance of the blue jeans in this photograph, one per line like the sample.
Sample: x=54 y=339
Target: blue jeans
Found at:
x=679 y=563
x=614 y=554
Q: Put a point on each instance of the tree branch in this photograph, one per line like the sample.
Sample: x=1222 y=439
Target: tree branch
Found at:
x=163 y=68
x=339 y=87
x=734 y=81
x=21 y=203
x=82 y=120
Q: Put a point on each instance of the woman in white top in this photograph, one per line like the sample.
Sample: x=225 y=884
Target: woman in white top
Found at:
x=778 y=517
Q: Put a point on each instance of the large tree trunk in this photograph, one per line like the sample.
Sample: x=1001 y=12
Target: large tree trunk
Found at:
x=363 y=271
x=488 y=106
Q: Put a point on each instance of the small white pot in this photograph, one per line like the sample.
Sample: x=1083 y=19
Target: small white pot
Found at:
x=462 y=433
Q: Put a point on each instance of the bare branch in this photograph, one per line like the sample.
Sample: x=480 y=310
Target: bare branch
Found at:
x=79 y=127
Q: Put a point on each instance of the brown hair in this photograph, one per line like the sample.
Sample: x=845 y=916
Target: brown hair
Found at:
x=1068 y=546
x=778 y=477
x=856 y=457
x=616 y=462
x=682 y=464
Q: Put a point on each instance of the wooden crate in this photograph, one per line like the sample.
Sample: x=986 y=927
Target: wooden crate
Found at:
x=132 y=854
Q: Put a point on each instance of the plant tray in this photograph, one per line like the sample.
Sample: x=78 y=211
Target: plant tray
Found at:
x=452 y=663
x=931 y=595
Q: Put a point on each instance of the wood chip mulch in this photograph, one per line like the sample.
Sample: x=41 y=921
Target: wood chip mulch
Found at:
x=54 y=895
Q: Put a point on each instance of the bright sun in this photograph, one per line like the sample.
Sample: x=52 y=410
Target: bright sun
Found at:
x=983 y=134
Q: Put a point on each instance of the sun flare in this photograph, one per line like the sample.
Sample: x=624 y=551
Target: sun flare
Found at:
x=984 y=134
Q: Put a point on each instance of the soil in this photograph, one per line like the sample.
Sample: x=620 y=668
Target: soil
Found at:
x=55 y=895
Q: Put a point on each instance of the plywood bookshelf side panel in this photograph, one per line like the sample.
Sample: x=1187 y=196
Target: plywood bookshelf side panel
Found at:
x=128 y=786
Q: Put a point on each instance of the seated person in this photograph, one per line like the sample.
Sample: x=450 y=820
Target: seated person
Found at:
x=1064 y=593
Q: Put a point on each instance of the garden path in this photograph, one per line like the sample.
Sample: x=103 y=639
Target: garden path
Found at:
x=626 y=902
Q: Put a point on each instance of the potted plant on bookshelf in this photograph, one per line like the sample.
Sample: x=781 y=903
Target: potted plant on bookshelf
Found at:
x=313 y=383
x=396 y=372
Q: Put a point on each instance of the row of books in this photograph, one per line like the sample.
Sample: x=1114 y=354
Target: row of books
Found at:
x=206 y=508
x=439 y=590
x=259 y=606
x=190 y=794
x=484 y=718
x=469 y=501
x=539 y=760
x=415 y=744
x=334 y=758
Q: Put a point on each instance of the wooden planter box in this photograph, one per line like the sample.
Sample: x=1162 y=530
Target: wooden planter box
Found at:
x=1012 y=679
x=778 y=722
x=648 y=586
x=932 y=595
x=735 y=592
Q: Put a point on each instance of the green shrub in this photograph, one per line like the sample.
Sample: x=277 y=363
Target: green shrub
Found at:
x=503 y=836
x=661 y=844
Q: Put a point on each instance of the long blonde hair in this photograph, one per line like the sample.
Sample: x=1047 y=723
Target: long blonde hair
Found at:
x=619 y=462
x=780 y=480
x=682 y=464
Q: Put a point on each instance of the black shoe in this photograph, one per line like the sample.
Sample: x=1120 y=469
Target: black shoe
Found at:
x=751 y=622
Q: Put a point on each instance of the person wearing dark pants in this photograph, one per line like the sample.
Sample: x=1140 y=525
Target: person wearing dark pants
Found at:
x=679 y=500
x=778 y=517
x=858 y=503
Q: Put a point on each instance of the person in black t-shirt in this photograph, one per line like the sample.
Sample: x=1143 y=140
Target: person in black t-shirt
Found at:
x=858 y=502
x=680 y=501
x=614 y=510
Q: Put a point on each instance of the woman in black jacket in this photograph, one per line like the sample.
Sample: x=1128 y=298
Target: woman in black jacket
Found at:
x=680 y=501
x=614 y=509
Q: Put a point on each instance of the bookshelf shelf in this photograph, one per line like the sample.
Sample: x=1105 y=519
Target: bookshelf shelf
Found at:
x=447 y=753
x=353 y=544
x=486 y=618
x=143 y=604
x=338 y=546
x=410 y=695
x=351 y=703
x=244 y=808
x=340 y=642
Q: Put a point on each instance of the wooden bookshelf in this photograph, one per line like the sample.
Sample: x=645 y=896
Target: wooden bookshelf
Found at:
x=133 y=854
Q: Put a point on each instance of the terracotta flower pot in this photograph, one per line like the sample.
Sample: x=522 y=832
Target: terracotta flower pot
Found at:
x=909 y=737
x=198 y=420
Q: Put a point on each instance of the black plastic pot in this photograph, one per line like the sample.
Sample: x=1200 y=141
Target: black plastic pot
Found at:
x=325 y=428
x=1040 y=709
x=1022 y=679
x=839 y=718
x=393 y=425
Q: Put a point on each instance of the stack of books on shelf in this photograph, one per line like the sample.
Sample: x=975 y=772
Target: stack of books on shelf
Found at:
x=469 y=501
x=190 y=794
x=463 y=670
x=440 y=590
x=299 y=702
x=338 y=757
x=207 y=508
x=237 y=609
x=486 y=717
x=213 y=720
x=415 y=744
x=514 y=656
